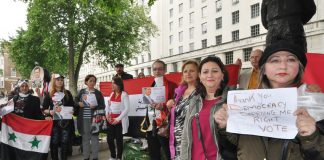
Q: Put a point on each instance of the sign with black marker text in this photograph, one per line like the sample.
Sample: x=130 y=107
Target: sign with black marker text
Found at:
x=263 y=112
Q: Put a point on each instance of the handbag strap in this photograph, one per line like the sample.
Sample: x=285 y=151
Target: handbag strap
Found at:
x=200 y=136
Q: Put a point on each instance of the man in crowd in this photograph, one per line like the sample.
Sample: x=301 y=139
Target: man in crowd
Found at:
x=249 y=78
x=155 y=141
x=119 y=68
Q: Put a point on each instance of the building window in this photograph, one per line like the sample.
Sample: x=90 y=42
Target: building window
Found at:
x=218 y=22
x=246 y=54
x=171 y=52
x=191 y=46
x=180 y=7
x=180 y=21
x=13 y=72
x=136 y=73
x=191 y=17
x=203 y=12
x=142 y=57
x=180 y=49
x=149 y=57
x=228 y=57
x=235 y=2
x=202 y=1
x=235 y=17
x=192 y=3
x=255 y=30
x=255 y=10
x=136 y=60
x=149 y=71
x=191 y=33
x=180 y=36
x=171 y=1
x=204 y=43
x=235 y=35
x=204 y=28
x=175 y=66
x=171 y=26
x=218 y=39
x=170 y=39
x=218 y=5
x=171 y=12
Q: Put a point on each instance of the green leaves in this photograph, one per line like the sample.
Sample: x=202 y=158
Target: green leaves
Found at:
x=61 y=34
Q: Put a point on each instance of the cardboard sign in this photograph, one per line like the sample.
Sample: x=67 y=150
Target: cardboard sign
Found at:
x=263 y=112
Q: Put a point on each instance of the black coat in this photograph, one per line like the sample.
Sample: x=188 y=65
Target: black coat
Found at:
x=124 y=76
x=29 y=107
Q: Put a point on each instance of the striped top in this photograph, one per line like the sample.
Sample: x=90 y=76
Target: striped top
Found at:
x=86 y=109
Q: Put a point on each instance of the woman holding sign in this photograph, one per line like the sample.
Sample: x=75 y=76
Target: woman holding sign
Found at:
x=199 y=141
x=57 y=98
x=281 y=66
x=117 y=116
x=89 y=101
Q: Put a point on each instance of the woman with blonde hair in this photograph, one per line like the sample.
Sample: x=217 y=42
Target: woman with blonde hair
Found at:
x=179 y=106
x=57 y=98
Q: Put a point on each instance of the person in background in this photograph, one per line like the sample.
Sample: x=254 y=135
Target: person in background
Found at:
x=57 y=98
x=281 y=66
x=179 y=106
x=117 y=116
x=85 y=115
x=199 y=139
x=155 y=141
x=119 y=68
x=141 y=75
x=249 y=78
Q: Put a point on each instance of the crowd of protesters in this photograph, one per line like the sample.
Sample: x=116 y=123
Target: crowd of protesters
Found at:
x=195 y=110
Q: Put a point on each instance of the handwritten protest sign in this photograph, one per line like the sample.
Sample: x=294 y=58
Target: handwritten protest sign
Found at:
x=263 y=112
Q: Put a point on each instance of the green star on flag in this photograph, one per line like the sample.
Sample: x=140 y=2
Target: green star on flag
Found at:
x=34 y=142
x=12 y=136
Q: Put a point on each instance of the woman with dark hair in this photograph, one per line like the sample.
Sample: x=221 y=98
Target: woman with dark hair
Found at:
x=57 y=98
x=281 y=66
x=89 y=102
x=179 y=106
x=199 y=138
x=116 y=114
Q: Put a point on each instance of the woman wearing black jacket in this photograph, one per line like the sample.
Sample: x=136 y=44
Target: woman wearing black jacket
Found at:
x=61 y=133
x=90 y=105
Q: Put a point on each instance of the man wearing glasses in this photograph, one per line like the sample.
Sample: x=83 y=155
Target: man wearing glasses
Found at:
x=249 y=78
x=158 y=113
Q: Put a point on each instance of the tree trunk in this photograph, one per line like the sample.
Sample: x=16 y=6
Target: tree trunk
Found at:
x=71 y=51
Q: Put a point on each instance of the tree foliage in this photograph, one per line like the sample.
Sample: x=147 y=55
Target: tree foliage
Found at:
x=63 y=34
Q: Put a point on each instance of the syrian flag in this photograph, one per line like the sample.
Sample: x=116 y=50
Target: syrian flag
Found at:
x=24 y=139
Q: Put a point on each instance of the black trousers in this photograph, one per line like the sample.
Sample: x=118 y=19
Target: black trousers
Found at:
x=154 y=146
x=115 y=132
x=61 y=137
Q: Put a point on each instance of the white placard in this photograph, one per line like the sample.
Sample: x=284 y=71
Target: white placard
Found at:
x=153 y=95
x=65 y=113
x=91 y=99
x=263 y=112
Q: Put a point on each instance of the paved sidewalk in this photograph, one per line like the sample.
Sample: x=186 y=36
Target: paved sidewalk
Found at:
x=103 y=155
